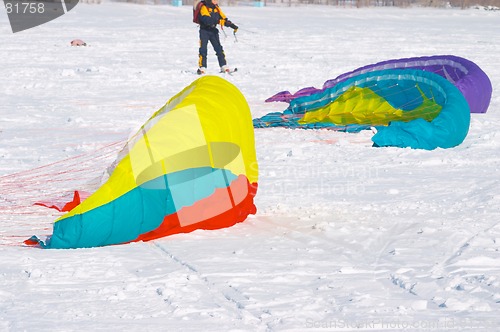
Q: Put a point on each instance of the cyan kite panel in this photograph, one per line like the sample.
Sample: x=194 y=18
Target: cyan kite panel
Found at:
x=192 y=165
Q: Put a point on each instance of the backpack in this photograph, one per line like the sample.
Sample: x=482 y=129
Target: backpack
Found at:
x=197 y=4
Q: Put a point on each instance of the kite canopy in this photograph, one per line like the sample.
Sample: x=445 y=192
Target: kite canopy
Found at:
x=192 y=165
x=413 y=102
x=411 y=108
x=468 y=77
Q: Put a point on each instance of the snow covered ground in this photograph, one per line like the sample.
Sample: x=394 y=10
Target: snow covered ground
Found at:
x=346 y=236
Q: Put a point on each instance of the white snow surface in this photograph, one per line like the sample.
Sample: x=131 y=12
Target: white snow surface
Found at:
x=346 y=237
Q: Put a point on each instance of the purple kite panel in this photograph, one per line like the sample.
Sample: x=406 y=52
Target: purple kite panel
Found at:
x=468 y=77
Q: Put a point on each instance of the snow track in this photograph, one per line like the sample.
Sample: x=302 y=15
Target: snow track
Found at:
x=226 y=299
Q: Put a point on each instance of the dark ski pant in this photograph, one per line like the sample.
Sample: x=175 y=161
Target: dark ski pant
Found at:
x=210 y=35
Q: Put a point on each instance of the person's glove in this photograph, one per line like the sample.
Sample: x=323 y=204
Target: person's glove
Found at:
x=231 y=25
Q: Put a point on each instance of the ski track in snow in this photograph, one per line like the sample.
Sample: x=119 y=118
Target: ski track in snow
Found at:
x=346 y=236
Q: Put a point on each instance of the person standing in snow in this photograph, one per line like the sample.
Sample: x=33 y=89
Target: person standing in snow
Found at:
x=209 y=16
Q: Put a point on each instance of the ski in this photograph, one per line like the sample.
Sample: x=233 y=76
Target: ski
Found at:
x=191 y=72
x=229 y=71
x=199 y=72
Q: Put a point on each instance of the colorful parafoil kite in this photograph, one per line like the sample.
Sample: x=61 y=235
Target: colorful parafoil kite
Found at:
x=192 y=165
x=416 y=102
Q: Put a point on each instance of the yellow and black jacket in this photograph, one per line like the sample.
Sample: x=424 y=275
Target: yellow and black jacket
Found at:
x=211 y=15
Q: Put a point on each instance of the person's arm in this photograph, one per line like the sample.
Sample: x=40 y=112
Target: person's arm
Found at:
x=230 y=24
x=226 y=22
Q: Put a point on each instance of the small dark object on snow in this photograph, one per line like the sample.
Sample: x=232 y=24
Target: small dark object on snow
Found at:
x=78 y=42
